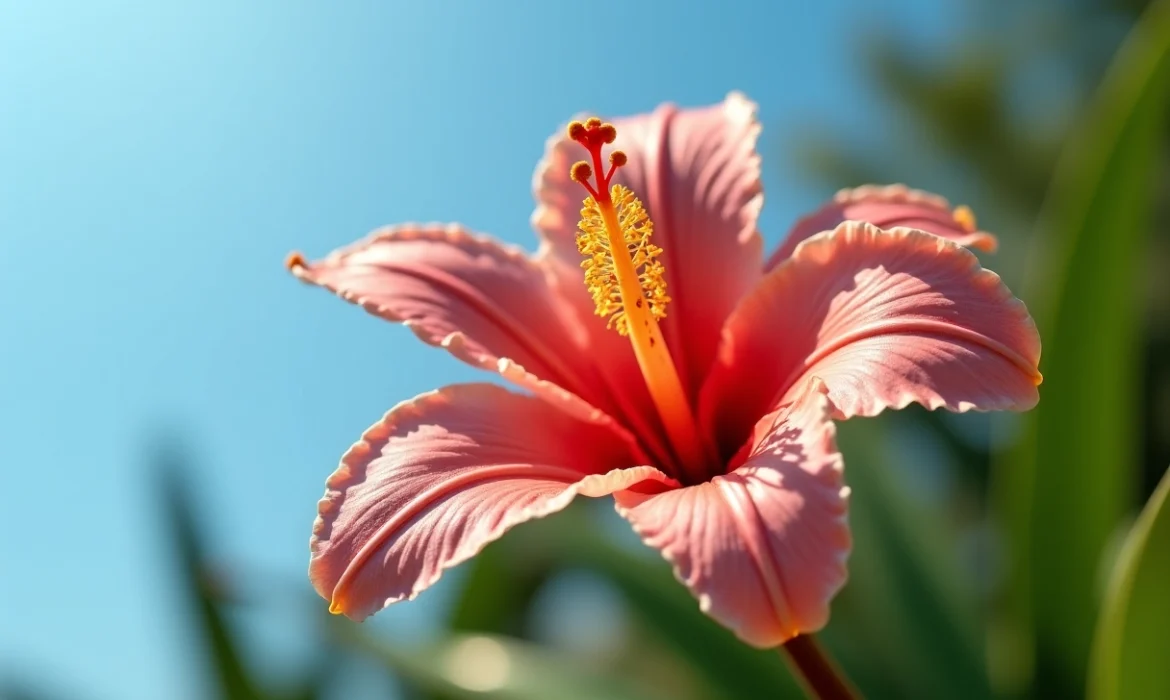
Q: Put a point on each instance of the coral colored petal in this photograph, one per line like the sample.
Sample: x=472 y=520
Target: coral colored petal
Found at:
x=441 y=476
x=616 y=364
x=698 y=174
x=888 y=207
x=487 y=304
x=764 y=547
x=885 y=318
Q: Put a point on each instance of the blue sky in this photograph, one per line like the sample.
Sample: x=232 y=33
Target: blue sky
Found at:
x=157 y=162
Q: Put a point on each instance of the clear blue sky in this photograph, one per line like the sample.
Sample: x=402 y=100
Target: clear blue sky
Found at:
x=158 y=160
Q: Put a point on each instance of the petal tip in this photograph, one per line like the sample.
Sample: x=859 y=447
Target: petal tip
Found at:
x=983 y=241
x=294 y=260
x=743 y=104
x=348 y=566
x=298 y=266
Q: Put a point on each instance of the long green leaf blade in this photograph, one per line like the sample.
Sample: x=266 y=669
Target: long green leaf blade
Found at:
x=1066 y=487
x=231 y=679
x=1133 y=636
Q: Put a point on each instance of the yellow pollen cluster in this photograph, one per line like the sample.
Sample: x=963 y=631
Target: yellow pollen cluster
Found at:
x=600 y=276
x=965 y=218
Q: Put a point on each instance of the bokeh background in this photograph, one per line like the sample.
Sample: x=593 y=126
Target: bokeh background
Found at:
x=171 y=400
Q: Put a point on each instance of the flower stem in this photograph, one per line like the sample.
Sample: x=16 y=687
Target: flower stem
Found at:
x=818 y=674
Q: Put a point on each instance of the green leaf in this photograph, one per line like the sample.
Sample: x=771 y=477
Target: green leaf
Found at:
x=903 y=627
x=906 y=618
x=488 y=666
x=497 y=592
x=1069 y=482
x=1133 y=634
x=232 y=680
x=671 y=613
x=661 y=606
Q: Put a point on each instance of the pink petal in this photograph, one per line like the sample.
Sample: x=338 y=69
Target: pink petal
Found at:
x=885 y=318
x=441 y=476
x=887 y=207
x=764 y=547
x=487 y=304
x=698 y=174
x=614 y=359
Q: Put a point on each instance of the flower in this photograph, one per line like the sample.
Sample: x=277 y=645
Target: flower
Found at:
x=665 y=363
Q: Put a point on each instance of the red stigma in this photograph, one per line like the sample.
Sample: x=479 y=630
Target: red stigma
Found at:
x=592 y=135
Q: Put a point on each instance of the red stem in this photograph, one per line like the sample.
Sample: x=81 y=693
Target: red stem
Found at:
x=818 y=674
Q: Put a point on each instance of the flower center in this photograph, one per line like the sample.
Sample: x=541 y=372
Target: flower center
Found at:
x=628 y=286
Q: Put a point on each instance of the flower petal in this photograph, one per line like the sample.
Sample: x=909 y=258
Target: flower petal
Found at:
x=487 y=304
x=698 y=174
x=764 y=547
x=614 y=358
x=887 y=207
x=885 y=318
x=441 y=476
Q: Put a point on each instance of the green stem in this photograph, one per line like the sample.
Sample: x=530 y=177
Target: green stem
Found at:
x=818 y=674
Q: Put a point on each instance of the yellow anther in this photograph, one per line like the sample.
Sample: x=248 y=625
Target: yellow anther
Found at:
x=965 y=218
x=581 y=172
x=617 y=159
x=576 y=130
x=607 y=133
x=601 y=276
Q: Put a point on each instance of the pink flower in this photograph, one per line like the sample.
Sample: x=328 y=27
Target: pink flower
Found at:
x=680 y=373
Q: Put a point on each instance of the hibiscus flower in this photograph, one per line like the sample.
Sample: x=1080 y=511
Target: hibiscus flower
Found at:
x=665 y=361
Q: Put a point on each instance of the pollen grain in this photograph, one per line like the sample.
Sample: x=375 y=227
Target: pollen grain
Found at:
x=601 y=277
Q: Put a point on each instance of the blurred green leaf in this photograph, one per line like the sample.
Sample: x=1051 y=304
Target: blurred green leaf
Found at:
x=18 y=689
x=199 y=586
x=497 y=592
x=904 y=627
x=660 y=604
x=1133 y=636
x=489 y=666
x=495 y=598
x=905 y=610
x=204 y=593
x=669 y=610
x=958 y=101
x=1065 y=488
